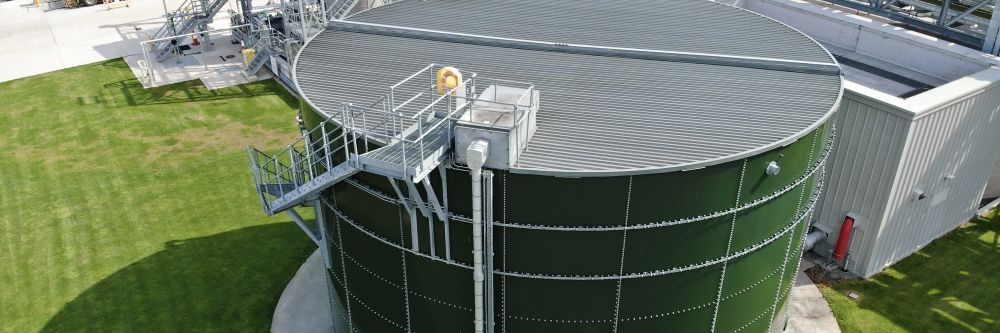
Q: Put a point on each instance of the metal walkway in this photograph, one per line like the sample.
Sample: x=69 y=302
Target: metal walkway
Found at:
x=382 y=139
x=190 y=15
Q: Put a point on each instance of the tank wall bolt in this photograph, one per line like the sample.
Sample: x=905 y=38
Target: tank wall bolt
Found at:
x=772 y=168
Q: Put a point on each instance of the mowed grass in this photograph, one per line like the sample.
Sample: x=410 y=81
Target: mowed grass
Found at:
x=132 y=210
x=952 y=285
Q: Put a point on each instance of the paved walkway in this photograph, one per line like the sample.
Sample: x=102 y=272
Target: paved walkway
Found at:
x=808 y=311
x=304 y=305
x=35 y=41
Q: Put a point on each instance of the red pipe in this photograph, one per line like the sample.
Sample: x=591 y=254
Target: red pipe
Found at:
x=844 y=239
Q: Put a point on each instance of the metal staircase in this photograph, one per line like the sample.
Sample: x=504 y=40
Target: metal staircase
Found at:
x=304 y=18
x=265 y=42
x=190 y=15
x=401 y=141
x=344 y=145
x=341 y=8
x=404 y=136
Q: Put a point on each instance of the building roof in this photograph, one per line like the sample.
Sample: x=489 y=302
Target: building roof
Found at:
x=599 y=115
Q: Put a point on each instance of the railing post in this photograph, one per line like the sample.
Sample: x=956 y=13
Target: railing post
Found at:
x=402 y=145
x=354 y=132
x=420 y=138
x=326 y=147
x=364 y=124
x=392 y=100
x=277 y=174
x=253 y=155
x=294 y=165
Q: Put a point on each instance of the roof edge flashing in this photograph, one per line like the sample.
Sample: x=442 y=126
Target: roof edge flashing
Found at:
x=875 y=38
x=786 y=65
x=932 y=100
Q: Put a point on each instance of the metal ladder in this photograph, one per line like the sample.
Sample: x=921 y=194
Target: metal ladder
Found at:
x=190 y=14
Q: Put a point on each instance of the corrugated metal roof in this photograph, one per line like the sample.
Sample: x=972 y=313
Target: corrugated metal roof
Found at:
x=679 y=25
x=598 y=115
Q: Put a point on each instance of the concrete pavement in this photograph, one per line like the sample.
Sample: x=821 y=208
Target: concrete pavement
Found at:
x=35 y=41
x=808 y=311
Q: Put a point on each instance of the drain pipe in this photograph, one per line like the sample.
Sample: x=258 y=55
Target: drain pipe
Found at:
x=476 y=155
x=813 y=238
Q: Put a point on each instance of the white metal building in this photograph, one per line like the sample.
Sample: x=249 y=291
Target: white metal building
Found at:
x=918 y=132
x=993 y=185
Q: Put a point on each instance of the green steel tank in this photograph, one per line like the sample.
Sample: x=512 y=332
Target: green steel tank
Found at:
x=677 y=155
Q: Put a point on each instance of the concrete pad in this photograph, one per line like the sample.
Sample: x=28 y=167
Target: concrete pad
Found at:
x=220 y=67
x=37 y=41
x=304 y=306
x=808 y=311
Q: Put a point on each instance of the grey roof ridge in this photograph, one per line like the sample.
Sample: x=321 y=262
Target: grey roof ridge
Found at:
x=787 y=65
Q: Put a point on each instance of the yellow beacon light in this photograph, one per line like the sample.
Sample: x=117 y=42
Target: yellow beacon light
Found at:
x=448 y=78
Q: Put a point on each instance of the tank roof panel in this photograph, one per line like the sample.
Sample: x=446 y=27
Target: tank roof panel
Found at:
x=599 y=115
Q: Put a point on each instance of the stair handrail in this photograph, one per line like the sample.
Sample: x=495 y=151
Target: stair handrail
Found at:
x=311 y=155
x=182 y=19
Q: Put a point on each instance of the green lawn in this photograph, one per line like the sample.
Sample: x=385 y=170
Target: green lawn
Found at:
x=132 y=210
x=952 y=285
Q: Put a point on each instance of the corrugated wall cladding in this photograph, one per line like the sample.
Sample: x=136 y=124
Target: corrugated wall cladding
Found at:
x=860 y=171
x=949 y=158
x=993 y=185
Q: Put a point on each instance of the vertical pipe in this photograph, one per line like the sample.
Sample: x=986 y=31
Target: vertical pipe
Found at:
x=149 y=66
x=447 y=229
x=414 y=233
x=477 y=246
x=476 y=153
x=322 y=6
x=992 y=43
x=488 y=247
x=302 y=19
x=943 y=14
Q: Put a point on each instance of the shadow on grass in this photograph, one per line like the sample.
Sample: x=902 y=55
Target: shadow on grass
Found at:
x=192 y=91
x=952 y=285
x=224 y=282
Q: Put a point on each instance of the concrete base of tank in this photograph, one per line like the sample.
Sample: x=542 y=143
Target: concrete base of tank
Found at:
x=304 y=306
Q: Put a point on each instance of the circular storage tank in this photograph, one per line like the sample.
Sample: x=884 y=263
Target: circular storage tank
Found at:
x=644 y=201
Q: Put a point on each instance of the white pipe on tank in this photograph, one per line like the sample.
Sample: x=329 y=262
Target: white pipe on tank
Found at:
x=812 y=238
x=476 y=155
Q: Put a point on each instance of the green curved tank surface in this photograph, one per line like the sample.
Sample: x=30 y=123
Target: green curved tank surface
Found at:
x=655 y=195
x=681 y=251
